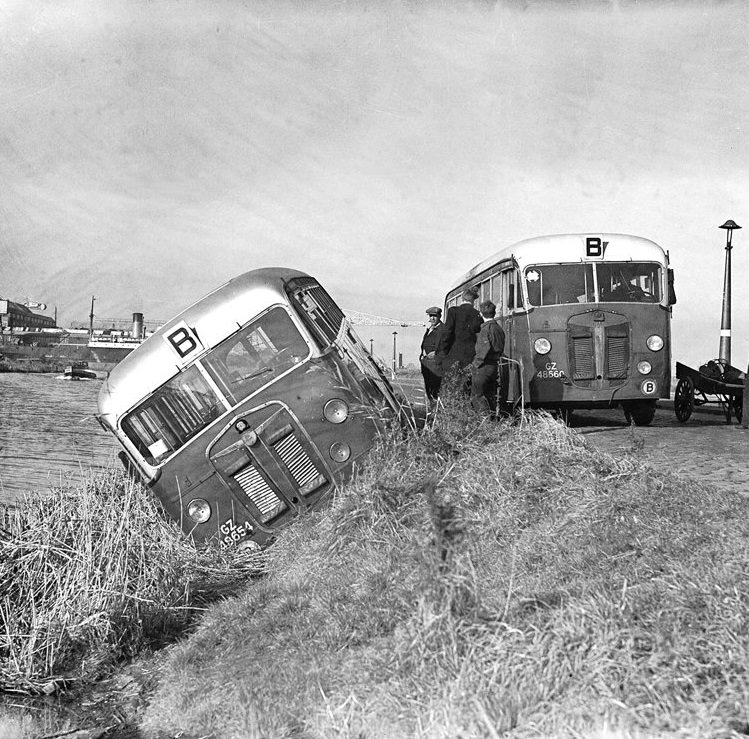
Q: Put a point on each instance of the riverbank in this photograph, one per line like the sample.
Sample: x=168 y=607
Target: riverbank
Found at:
x=42 y=359
x=475 y=579
x=35 y=366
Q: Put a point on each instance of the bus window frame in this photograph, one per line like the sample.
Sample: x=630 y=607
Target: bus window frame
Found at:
x=664 y=299
x=511 y=280
x=154 y=470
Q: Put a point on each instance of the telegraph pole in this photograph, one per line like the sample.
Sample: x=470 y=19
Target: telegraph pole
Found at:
x=91 y=319
x=725 y=322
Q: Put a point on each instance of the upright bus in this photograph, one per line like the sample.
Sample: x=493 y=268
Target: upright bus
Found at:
x=587 y=320
x=247 y=407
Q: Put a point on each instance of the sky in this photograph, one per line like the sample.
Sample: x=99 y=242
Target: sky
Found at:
x=153 y=149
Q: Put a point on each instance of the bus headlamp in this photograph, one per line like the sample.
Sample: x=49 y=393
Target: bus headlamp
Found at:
x=655 y=343
x=644 y=368
x=340 y=451
x=199 y=510
x=336 y=411
x=542 y=346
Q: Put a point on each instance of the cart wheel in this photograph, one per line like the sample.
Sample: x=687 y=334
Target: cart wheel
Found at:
x=684 y=399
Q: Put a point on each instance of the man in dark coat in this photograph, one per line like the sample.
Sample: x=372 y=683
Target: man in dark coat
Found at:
x=484 y=369
x=431 y=368
x=462 y=324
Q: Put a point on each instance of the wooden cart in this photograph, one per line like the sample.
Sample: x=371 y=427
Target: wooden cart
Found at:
x=695 y=388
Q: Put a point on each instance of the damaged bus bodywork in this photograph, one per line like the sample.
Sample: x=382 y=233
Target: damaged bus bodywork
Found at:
x=247 y=407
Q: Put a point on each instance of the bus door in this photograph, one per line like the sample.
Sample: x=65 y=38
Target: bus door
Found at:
x=265 y=458
x=507 y=297
x=332 y=327
x=357 y=353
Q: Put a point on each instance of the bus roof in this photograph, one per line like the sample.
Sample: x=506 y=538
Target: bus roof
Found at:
x=213 y=318
x=565 y=248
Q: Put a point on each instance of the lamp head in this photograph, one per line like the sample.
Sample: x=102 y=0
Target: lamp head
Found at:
x=729 y=226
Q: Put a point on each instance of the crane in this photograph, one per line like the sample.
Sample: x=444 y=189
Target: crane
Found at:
x=358 y=318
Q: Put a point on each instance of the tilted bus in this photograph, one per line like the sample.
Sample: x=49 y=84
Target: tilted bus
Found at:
x=587 y=319
x=247 y=407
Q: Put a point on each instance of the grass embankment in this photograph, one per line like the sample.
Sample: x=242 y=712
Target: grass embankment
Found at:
x=475 y=580
x=483 y=580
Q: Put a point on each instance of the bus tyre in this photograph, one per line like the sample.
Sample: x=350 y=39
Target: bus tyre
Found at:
x=641 y=413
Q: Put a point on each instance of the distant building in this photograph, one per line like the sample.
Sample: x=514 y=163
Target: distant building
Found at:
x=15 y=315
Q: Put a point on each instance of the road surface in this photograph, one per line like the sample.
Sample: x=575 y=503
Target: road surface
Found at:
x=705 y=447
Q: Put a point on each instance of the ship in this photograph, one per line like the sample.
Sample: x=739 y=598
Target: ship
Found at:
x=60 y=348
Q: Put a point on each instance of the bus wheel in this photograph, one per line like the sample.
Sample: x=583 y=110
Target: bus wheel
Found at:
x=641 y=413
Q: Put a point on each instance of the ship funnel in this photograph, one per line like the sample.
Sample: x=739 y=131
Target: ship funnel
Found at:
x=137 y=325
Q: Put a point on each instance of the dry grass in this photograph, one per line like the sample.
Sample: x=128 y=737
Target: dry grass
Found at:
x=90 y=576
x=483 y=579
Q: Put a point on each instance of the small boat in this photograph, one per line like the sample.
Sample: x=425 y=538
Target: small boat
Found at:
x=78 y=371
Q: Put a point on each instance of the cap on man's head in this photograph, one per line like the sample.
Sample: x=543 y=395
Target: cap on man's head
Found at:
x=470 y=294
x=488 y=309
x=434 y=311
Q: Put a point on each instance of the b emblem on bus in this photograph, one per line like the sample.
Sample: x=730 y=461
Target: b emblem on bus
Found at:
x=595 y=246
x=184 y=341
x=649 y=387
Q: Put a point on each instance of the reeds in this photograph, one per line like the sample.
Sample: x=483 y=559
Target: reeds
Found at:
x=482 y=579
x=92 y=574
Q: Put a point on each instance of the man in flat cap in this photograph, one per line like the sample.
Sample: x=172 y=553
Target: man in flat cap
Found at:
x=431 y=367
x=462 y=324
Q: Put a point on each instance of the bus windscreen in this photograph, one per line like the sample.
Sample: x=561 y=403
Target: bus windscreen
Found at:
x=256 y=354
x=240 y=365
x=172 y=415
x=557 y=284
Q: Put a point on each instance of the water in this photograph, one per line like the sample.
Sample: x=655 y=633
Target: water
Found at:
x=48 y=433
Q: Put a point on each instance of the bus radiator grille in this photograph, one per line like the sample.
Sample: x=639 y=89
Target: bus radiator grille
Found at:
x=617 y=357
x=302 y=468
x=260 y=493
x=583 y=367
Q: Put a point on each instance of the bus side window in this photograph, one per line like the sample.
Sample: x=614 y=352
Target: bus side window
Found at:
x=514 y=293
x=497 y=293
x=508 y=292
x=518 y=289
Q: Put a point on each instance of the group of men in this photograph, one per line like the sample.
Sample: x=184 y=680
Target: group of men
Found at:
x=468 y=338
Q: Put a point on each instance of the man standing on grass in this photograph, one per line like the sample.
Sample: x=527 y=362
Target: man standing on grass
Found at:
x=489 y=347
x=461 y=326
x=431 y=367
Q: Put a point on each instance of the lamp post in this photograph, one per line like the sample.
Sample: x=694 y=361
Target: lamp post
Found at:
x=371 y=347
x=725 y=322
x=395 y=333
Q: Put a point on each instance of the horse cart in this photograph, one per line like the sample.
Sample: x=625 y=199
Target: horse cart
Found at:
x=714 y=382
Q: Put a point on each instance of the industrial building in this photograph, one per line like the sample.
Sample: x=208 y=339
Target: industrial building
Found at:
x=16 y=315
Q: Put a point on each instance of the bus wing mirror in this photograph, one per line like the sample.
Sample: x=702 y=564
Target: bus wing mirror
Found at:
x=671 y=291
